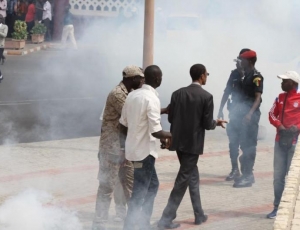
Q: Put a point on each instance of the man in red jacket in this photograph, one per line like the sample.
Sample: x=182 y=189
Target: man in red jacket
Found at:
x=285 y=116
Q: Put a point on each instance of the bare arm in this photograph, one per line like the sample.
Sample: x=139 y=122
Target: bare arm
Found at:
x=162 y=134
x=223 y=102
x=256 y=103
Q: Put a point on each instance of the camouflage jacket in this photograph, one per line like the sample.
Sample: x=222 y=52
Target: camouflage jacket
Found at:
x=110 y=130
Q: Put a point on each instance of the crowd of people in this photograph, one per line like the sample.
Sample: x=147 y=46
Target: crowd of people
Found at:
x=30 y=11
x=131 y=124
x=33 y=12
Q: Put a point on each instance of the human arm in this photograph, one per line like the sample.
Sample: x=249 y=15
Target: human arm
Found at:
x=153 y=114
x=165 y=110
x=208 y=122
x=118 y=100
x=171 y=108
x=4 y=33
x=223 y=102
x=274 y=115
x=255 y=105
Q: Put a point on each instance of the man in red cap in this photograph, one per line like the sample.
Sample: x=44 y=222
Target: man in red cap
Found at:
x=252 y=89
x=234 y=91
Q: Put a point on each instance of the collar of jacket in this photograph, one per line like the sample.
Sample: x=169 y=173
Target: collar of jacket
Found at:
x=123 y=87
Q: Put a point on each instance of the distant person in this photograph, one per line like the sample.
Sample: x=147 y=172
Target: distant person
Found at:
x=3 y=8
x=20 y=10
x=188 y=131
x=68 y=30
x=47 y=17
x=3 y=34
x=10 y=16
x=234 y=90
x=249 y=107
x=30 y=16
x=285 y=116
x=114 y=168
x=39 y=11
x=141 y=115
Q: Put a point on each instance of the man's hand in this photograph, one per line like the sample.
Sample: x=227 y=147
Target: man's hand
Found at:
x=281 y=127
x=220 y=114
x=247 y=118
x=293 y=129
x=221 y=123
x=165 y=143
x=165 y=110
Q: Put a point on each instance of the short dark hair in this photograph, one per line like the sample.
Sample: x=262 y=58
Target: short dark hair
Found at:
x=150 y=73
x=196 y=71
x=244 y=50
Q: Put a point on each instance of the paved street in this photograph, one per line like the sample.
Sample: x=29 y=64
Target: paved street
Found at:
x=68 y=169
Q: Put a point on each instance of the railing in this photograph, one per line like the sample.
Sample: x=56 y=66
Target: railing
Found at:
x=104 y=8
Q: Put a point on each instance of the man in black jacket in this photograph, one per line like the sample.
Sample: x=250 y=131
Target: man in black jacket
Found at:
x=234 y=90
x=190 y=114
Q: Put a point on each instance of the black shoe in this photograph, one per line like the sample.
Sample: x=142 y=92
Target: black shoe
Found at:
x=273 y=214
x=163 y=225
x=237 y=179
x=200 y=219
x=243 y=182
x=235 y=173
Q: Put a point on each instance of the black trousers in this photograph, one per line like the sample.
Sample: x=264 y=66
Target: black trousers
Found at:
x=47 y=23
x=188 y=176
x=30 y=25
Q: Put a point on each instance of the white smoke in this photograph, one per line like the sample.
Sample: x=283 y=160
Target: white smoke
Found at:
x=36 y=210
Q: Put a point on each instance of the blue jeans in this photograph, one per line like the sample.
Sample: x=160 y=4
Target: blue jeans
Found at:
x=282 y=163
x=145 y=187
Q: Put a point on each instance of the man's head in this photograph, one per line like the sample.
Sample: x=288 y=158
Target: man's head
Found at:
x=290 y=80
x=199 y=74
x=30 y=1
x=153 y=76
x=132 y=76
x=248 y=59
x=238 y=60
x=67 y=7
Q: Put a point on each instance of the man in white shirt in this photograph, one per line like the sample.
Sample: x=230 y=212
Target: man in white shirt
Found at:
x=47 y=17
x=141 y=114
x=3 y=7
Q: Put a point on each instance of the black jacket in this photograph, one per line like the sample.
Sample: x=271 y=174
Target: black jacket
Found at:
x=191 y=112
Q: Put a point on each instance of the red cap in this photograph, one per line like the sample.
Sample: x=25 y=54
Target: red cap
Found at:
x=248 y=54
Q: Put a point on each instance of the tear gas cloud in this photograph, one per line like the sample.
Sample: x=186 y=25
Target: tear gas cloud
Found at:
x=211 y=32
x=36 y=210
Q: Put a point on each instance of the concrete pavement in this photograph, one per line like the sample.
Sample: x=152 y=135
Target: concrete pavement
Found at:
x=68 y=170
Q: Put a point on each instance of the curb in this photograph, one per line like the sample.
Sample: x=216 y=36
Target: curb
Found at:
x=26 y=51
x=288 y=215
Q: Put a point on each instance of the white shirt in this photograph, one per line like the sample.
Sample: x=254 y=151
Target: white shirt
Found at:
x=47 y=11
x=3 y=6
x=141 y=114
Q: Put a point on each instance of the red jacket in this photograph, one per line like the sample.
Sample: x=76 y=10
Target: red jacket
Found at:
x=291 y=111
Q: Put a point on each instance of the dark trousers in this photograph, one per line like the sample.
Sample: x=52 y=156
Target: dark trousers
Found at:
x=233 y=133
x=1 y=58
x=188 y=176
x=30 y=25
x=10 y=21
x=47 y=23
x=145 y=187
x=248 y=142
x=282 y=163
